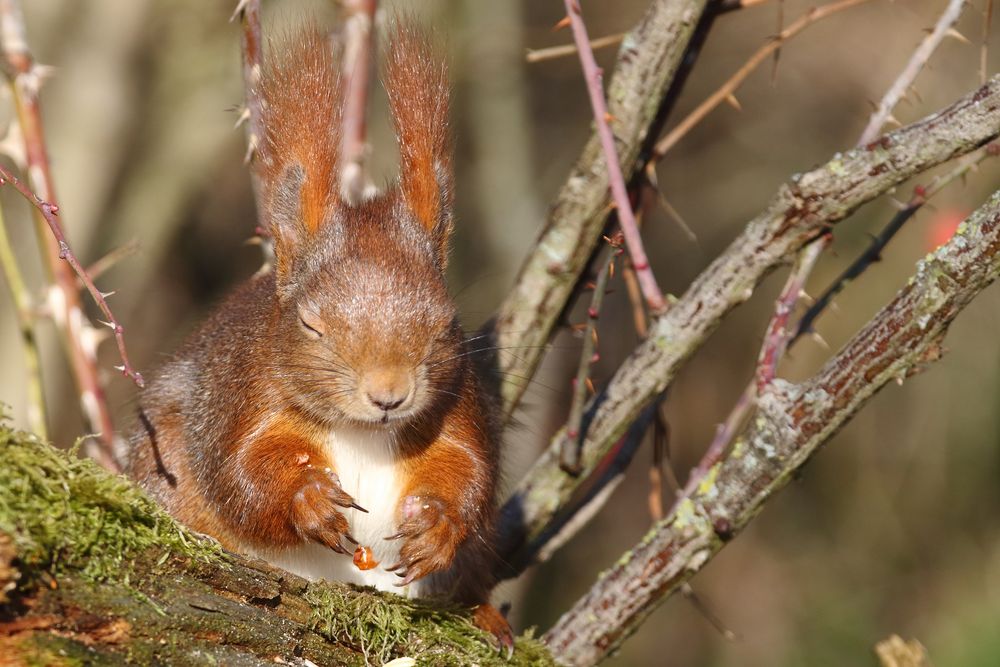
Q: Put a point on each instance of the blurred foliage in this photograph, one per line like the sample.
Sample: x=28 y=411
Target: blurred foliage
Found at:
x=894 y=529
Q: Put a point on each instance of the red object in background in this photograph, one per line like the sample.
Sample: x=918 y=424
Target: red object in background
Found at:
x=943 y=226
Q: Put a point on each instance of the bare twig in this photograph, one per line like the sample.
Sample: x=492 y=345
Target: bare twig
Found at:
x=791 y=423
x=727 y=89
x=588 y=356
x=358 y=47
x=779 y=334
x=549 y=53
x=24 y=310
x=50 y=212
x=916 y=63
x=803 y=209
x=626 y=218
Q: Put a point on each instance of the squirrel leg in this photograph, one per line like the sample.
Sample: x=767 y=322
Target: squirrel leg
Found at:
x=286 y=492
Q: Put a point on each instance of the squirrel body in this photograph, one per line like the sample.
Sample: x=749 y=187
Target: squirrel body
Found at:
x=330 y=402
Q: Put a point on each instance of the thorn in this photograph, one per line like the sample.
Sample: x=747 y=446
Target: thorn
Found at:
x=805 y=298
x=240 y=6
x=951 y=32
x=733 y=102
x=563 y=22
x=912 y=90
x=243 y=117
x=251 y=149
x=609 y=117
x=590 y=387
x=892 y=120
x=110 y=325
x=107 y=294
x=120 y=369
x=819 y=340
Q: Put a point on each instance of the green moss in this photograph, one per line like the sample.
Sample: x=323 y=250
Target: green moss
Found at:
x=385 y=626
x=65 y=512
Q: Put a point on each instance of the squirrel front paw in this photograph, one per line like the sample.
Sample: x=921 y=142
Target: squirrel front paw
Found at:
x=430 y=538
x=316 y=511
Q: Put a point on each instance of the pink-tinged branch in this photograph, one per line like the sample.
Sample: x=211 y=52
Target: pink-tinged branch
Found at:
x=626 y=217
x=921 y=55
x=779 y=334
x=49 y=213
x=776 y=341
x=359 y=38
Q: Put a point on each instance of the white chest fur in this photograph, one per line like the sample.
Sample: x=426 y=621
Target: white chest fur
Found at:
x=366 y=462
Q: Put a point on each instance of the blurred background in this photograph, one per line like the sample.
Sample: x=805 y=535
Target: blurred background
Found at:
x=894 y=528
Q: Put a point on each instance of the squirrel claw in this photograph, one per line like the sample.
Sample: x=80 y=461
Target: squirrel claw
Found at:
x=488 y=618
x=359 y=508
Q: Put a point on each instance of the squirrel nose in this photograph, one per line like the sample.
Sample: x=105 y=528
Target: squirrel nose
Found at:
x=387 y=389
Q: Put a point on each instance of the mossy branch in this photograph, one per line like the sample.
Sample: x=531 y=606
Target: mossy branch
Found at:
x=94 y=571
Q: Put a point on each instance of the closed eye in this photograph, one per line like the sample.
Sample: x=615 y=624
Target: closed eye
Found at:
x=311 y=323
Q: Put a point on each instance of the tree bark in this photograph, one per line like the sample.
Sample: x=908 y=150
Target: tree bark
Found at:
x=791 y=422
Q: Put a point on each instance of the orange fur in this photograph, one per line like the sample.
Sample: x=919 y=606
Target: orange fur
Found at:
x=302 y=95
x=419 y=97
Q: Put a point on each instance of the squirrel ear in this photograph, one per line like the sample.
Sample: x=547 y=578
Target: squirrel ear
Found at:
x=288 y=229
x=297 y=156
x=419 y=94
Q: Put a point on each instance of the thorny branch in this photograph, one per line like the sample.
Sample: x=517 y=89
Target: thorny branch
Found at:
x=588 y=356
x=873 y=252
x=802 y=209
x=769 y=359
x=727 y=91
x=897 y=91
x=792 y=421
x=49 y=212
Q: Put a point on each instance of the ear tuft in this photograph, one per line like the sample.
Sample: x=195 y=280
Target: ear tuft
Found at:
x=419 y=96
x=298 y=154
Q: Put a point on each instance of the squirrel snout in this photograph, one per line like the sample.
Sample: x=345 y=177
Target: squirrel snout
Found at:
x=387 y=388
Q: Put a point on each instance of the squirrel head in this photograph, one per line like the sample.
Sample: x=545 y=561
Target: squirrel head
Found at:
x=365 y=328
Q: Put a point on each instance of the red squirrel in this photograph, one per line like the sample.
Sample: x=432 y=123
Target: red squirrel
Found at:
x=330 y=402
